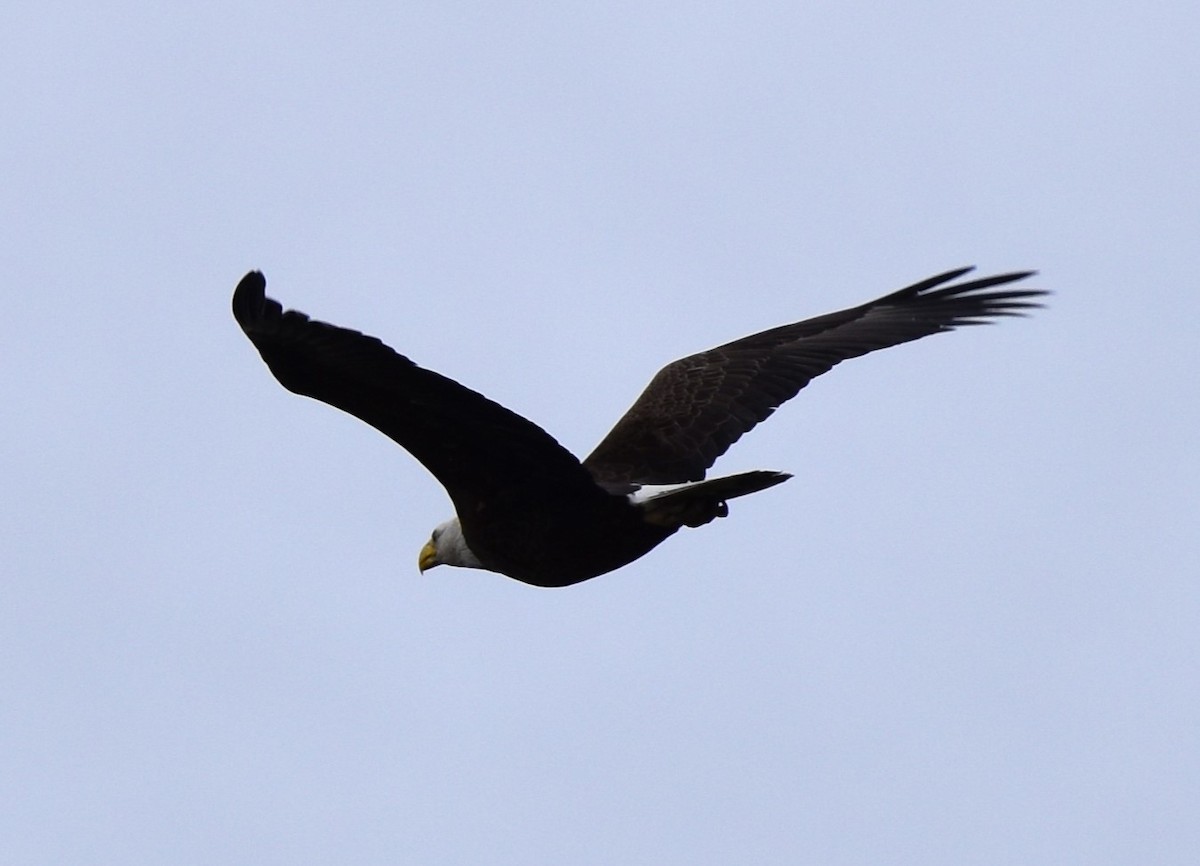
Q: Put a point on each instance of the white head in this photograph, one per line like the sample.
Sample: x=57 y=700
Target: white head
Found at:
x=447 y=547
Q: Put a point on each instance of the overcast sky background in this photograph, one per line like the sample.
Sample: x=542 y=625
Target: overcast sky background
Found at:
x=966 y=632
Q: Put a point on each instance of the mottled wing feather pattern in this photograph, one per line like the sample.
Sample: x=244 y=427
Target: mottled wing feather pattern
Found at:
x=475 y=447
x=696 y=407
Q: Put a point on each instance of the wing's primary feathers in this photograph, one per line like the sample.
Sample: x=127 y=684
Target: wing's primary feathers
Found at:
x=696 y=407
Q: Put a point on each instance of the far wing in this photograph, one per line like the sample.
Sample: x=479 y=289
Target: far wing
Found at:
x=476 y=448
x=696 y=407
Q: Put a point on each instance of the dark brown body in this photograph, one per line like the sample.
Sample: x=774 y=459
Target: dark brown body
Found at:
x=566 y=545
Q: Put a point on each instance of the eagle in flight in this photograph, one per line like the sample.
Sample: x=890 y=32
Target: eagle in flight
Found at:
x=528 y=508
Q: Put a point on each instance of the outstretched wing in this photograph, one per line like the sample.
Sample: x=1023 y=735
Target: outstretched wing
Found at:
x=696 y=407
x=476 y=448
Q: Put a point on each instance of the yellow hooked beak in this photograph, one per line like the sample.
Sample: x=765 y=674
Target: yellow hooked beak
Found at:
x=428 y=558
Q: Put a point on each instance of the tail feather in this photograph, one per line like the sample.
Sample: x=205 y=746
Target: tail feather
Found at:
x=702 y=502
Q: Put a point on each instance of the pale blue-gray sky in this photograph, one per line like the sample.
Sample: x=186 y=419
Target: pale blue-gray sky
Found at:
x=966 y=632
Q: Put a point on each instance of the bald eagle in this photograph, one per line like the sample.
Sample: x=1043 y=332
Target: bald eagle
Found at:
x=525 y=506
